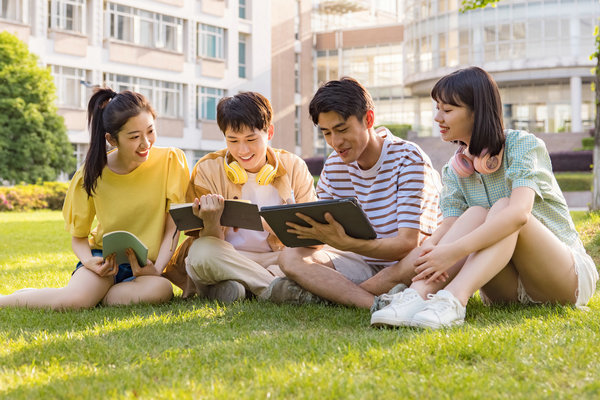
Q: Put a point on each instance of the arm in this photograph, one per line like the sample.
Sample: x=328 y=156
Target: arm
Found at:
x=494 y=229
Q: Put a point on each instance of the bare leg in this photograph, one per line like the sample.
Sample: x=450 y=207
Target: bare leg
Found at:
x=85 y=290
x=542 y=261
x=143 y=289
x=313 y=270
x=466 y=223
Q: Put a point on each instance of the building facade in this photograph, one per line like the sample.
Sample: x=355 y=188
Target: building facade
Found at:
x=538 y=52
x=184 y=55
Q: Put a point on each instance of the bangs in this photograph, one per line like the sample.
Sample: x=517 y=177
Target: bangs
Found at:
x=450 y=90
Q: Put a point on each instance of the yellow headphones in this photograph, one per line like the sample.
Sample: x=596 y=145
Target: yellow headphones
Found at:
x=238 y=175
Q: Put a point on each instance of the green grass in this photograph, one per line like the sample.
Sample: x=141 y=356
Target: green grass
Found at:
x=199 y=349
x=574 y=181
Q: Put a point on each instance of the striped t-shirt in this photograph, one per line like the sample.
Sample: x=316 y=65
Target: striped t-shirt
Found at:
x=400 y=191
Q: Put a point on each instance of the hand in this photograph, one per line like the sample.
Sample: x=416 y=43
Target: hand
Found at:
x=138 y=270
x=331 y=233
x=209 y=208
x=102 y=267
x=434 y=261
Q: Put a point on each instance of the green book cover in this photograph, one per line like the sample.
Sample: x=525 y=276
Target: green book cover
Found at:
x=118 y=242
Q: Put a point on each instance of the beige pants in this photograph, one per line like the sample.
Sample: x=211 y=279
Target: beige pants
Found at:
x=211 y=260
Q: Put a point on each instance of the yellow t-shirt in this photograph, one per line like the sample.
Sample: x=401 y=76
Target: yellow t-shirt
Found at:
x=135 y=202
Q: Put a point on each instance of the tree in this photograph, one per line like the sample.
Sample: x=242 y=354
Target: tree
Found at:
x=596 y=168
x=33 y=138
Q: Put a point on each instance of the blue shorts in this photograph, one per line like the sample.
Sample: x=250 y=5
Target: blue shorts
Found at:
x=124 y=274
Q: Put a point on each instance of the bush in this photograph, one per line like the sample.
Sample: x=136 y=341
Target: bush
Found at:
x=400 y=130
x=572 y=160
x=575 y=181
x=49 y=195
x=587 y=143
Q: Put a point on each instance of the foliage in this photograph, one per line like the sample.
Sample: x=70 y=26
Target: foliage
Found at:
x=400 y=130
x=33 y=140
x=49 y=195
x=587 y=143
x=574 y=181
x=202 y=349
x=474 y=4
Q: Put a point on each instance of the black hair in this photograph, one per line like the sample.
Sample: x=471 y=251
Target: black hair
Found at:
x=346 y=97
x=107 y=112
x=476 y=89
x=246 y=109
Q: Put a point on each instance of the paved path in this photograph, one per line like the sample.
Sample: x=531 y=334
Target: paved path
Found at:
x=578 y=201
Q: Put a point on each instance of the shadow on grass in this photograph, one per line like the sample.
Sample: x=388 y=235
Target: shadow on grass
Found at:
x=185 y=340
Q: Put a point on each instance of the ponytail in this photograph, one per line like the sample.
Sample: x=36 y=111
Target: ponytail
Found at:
x=107 y=112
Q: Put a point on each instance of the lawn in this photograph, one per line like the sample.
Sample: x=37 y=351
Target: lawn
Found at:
x=199 y=349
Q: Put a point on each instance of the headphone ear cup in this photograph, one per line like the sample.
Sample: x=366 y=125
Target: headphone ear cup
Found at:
x=235 y=173
x=462 y=165
x=486 y=164
x=266 y=174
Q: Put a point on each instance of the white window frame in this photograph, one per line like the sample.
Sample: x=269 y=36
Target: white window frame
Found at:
x=59 y=18
x=207 y=33
x=61 y=78
x=243 y=63
x=204 y=94
x=158 y=93
x=11 y=10
x=159 y=26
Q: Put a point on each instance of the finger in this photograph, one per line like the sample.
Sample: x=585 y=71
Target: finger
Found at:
x=434 y=277
x=132 y=258
x=307 y=219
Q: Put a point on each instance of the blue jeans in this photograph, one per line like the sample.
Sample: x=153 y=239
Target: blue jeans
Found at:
x=123 y=275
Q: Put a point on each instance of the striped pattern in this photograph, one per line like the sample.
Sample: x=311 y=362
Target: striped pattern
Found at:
x=400 y=191
x=525 y=163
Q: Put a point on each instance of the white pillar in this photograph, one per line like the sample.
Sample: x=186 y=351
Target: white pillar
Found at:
x=576 y=125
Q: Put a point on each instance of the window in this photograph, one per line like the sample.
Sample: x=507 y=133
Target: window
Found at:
x=165 y=97
x=210 y=41
x=145 y=28
x=10 y=9
x=67 y=15
x=242 y=9
x=242 y=56
x=207 y=103
x=70 y=91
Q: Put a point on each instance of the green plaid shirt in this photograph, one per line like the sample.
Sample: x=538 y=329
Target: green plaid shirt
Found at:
x=525 y=163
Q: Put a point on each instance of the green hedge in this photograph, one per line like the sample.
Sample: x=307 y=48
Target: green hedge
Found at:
x=574 y=181
x=400 y=130
x=48 y=195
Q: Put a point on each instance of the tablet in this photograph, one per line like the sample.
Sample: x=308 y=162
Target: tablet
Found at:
x=346 y=211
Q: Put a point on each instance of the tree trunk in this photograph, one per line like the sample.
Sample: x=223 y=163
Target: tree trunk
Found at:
x=596 y=190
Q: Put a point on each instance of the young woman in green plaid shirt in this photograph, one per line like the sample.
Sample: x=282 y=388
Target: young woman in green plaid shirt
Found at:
x=507 y=231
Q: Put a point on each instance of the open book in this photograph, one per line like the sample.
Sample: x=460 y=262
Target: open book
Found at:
x=236 y=213
x=346 y=211
x=118 y=242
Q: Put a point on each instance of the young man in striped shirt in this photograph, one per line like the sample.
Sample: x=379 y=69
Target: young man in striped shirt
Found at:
x=397 y=188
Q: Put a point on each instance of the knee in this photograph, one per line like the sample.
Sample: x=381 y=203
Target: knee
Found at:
x=202 y=250
x=75 y=301
x=162 y=289
x=292 y=260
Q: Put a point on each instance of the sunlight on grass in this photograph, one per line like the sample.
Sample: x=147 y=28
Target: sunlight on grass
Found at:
x=251 y=349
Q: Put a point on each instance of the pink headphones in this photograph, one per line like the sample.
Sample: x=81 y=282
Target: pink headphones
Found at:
x=464 y=164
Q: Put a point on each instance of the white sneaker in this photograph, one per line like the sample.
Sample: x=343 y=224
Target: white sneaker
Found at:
x=226 y=291
x=400 y=311
x=442 y=309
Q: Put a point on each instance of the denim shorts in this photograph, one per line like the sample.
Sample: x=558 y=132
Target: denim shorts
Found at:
x=124 y=274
